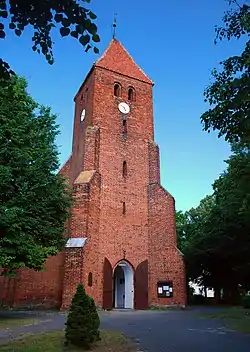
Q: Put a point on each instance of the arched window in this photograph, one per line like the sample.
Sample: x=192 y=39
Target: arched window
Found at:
x=124 y=169
x=117 y=90
x=131 y=94
x=90 y=279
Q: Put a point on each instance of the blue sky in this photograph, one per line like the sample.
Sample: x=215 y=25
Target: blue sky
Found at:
x=173 y=42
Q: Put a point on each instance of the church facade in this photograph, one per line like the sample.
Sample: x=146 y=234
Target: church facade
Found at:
x=121 y=234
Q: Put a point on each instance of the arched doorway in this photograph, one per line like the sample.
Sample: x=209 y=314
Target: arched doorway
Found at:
x=124 y=285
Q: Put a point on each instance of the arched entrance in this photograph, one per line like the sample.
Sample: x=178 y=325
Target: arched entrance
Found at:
x=123 y=285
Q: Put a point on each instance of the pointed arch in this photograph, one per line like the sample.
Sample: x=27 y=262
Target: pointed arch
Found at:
x=123 y=285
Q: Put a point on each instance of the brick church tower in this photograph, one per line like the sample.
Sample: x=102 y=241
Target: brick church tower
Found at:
x=122 y=237
x=122 y=244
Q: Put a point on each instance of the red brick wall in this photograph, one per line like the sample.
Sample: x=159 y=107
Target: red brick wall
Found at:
x=92 y=261
x=73 y=268
x=165 y=260
x=79 y=262
x=83 y=100
x=32 y=289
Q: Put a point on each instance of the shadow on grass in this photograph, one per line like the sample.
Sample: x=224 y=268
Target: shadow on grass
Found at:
x=54 y=342
x=235 y=318
x=7 y=322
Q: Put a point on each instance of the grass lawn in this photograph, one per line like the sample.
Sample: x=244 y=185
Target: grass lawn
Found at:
x=9 y=322
x=235 y=318
x=54 y=342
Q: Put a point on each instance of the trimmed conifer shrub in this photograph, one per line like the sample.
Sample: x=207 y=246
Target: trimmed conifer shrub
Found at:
x=82 y=326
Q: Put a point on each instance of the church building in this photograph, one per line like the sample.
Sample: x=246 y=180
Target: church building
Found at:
x=122 y=241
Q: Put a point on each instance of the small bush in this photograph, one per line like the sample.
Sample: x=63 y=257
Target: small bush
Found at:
x=82 y=326
x=246 y=302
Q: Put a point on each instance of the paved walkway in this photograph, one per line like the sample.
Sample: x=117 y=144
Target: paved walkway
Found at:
x=154 y=331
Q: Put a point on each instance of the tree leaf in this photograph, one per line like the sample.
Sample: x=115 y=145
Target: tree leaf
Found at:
x=2 y=34
x=92 y=29
x=74 y=34
x=66 y=22
x=92 y=15
x=4 y=14
x=79 y=28
x=18 y=32
x=64 y=31
x=3 y=5
x=20 y=26
x=12 y=25
x=58 y=17
x=96 y=50
x=87 y=48
x=84 y=39
x=96 y=38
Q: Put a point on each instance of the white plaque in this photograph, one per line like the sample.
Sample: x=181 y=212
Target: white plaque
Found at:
x=160 y=290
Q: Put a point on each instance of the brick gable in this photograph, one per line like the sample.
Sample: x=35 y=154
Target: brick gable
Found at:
x=117 y=59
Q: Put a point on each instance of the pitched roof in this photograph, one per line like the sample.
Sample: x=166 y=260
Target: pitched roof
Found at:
x=116 y=58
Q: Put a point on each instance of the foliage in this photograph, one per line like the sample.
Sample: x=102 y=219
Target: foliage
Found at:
x=71 y=16
x=34 y=200
x=217 y=242
x=229 y=94
x=246 y=302
x=215 y=237
x=83 y=321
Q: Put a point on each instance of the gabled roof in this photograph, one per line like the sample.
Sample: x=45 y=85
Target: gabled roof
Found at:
x=116 y=58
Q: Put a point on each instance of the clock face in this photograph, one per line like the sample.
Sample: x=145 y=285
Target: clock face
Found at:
x=83 y=115
x=124 y=108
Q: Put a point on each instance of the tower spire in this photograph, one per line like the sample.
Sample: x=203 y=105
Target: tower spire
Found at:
x=114 y=26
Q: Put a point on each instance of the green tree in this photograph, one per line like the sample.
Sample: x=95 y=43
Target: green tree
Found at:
x=69 y=16
x=229 y=94
x=232 y=192
x=82 y=326
x=181 y=228
x=216 y=245
x=34 y=200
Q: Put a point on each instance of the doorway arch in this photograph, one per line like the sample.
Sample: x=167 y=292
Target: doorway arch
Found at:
x=123 y=285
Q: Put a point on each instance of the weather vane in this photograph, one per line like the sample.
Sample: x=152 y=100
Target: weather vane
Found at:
x=114 y=26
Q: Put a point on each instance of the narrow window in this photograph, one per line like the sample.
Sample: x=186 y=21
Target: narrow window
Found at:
x=131 y=94
x=90 y=279
x=124 y=127
x=117 y=90
x=124 y=169
x=123 y=208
